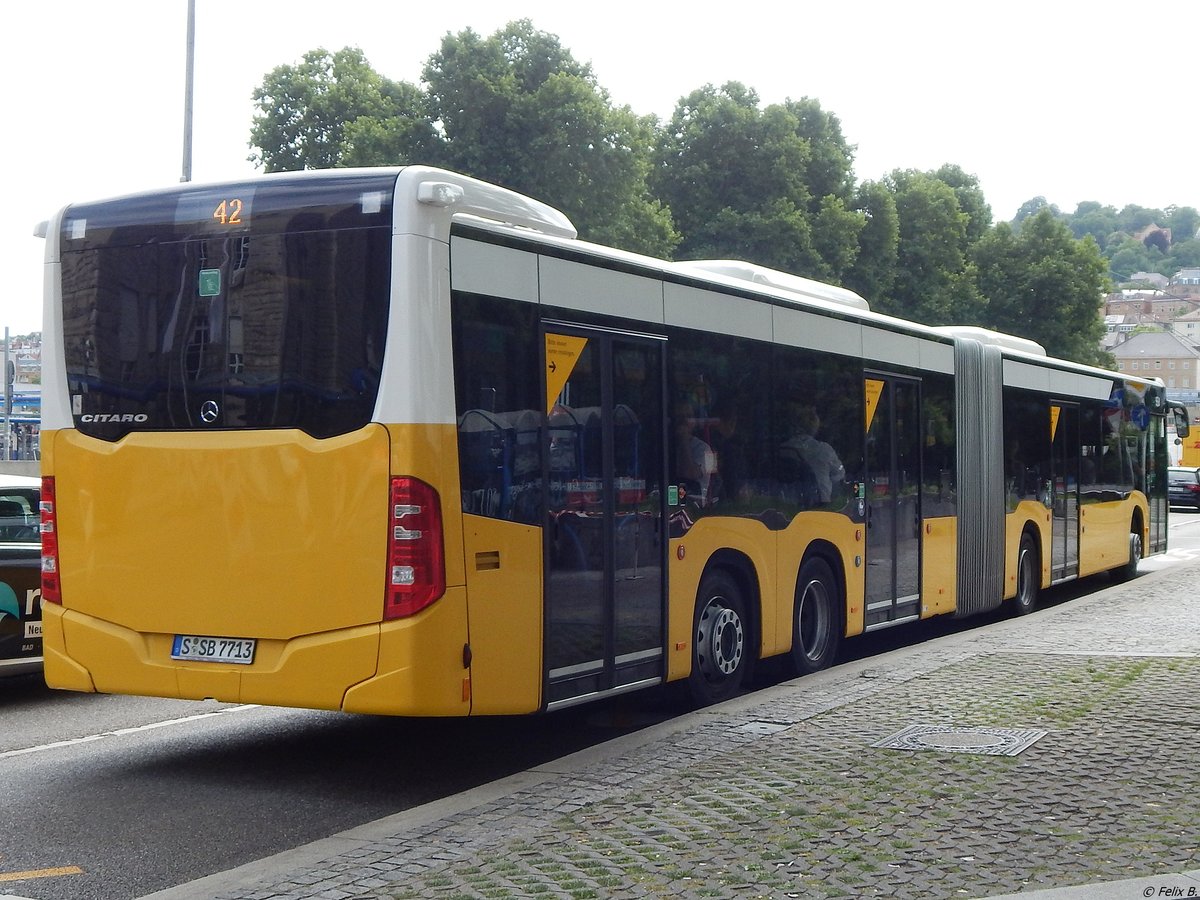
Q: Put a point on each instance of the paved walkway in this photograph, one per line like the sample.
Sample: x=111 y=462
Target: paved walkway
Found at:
x=788 y=793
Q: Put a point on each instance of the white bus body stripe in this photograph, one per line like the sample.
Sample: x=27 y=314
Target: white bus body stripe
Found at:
x=480 y=268
x=937 y=357
x=1055 y=381
x=689 y=307
x=588 y=288
x=813 y=332
x=881 y=346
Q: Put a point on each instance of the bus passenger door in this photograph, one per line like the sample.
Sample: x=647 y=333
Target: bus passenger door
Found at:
x=893 y=499
x=605 y=527
x=1064 y=490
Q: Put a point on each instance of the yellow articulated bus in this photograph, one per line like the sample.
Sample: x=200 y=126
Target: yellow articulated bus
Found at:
x=395 y=441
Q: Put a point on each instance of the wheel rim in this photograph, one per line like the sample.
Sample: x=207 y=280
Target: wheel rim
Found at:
x=1025 y=577
x=1135 y=549
x=720 y=640
x=812 y=620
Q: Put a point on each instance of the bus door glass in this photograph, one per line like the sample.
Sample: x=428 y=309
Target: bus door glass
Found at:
x=1064 y=489
x=893 y=507
x=604 y=530
x=1154 y=451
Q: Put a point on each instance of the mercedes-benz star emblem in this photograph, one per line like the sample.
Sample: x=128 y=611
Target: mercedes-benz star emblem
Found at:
x=209 y=411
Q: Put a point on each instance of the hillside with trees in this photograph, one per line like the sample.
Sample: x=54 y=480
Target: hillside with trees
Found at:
x=724 y=177
x=1133 y=239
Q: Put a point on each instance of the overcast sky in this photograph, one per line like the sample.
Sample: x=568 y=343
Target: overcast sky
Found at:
x=1054 y=98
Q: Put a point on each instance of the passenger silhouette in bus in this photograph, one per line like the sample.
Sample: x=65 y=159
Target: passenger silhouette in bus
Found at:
x=820 y=458
x=730 y=449
x=695 y=461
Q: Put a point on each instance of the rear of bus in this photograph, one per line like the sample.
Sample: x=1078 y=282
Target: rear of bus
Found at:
x=232 y=508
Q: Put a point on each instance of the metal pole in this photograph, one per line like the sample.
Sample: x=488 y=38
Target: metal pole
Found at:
x=187 y=91
x=7 y=403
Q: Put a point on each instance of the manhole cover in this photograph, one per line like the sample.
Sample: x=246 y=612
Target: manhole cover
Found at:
x=959 y=739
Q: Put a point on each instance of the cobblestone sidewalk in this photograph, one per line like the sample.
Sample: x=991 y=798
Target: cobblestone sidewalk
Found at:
x=782 y=793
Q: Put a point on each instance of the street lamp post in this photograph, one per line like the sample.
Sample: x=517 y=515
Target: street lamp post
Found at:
x=187 y=91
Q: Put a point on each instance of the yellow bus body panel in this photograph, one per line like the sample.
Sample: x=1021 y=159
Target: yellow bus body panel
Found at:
x=61 y=671
x=270 y=535
x=1027 y=513
x=846 y=537
x=939 y=566
x=504 y=584
x=687 y=559
x=1104 y=532
x=775 y=557
x=421 y=669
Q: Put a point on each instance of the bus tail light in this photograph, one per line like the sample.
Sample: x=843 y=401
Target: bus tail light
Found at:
x=51 y=590
x=416 y=561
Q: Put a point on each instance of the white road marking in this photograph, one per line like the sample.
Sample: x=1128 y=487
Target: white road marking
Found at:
x=120 y=732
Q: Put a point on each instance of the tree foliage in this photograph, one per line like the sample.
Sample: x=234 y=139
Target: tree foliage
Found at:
x=514 y=108
x=1044 y=284
x=769 y=185
x=305 y=109
x=724 y=177
x=874 y=269
x=932 y=282
x=1133 y=238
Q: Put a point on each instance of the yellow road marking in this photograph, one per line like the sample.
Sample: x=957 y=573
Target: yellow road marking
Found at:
x=40 y=873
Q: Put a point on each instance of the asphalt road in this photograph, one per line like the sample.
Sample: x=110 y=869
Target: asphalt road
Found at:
x=115 y=797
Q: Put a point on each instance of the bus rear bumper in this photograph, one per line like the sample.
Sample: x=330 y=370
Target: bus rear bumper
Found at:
x=369 y=668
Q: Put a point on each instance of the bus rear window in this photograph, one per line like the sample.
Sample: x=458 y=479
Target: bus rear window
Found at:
x=274 y=318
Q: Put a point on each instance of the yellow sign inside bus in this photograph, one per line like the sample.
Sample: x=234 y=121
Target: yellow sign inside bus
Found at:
x=874 y=391
x=562 y=354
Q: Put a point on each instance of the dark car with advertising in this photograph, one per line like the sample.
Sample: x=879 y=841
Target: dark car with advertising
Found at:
x=20 y=576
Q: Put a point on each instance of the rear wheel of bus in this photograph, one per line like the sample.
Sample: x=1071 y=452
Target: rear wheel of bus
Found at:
x=1029 y=580
x=817 y=620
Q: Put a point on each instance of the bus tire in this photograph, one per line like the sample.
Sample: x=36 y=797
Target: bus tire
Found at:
x=1130 y=568
x=817 y=618
x=1029 y=576
x=721 y=650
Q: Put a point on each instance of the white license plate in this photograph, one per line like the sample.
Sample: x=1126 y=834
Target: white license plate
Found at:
x=213 y=649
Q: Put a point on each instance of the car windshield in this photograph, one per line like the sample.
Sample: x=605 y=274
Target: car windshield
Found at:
x=19 y=516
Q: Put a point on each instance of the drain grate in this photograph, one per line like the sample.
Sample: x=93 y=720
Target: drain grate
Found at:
x=764 y=727
x=959 y=739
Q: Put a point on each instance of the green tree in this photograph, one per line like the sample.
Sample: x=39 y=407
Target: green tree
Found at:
x=1132 y=218
x=1131 y=256
x=770 y=186
x=874 y=269
x=932 y=283
x=1031 y=208
x=1092 y=218
x=1044 y=284
x=1184 y=222
x=970 y=199
x=304 y=110
x=1183 y=253
x=517 y=109
x=514 y=108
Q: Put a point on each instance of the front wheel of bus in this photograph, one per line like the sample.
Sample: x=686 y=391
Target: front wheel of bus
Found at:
x=720 y=645
x=1029 y=580
x=816 y=628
